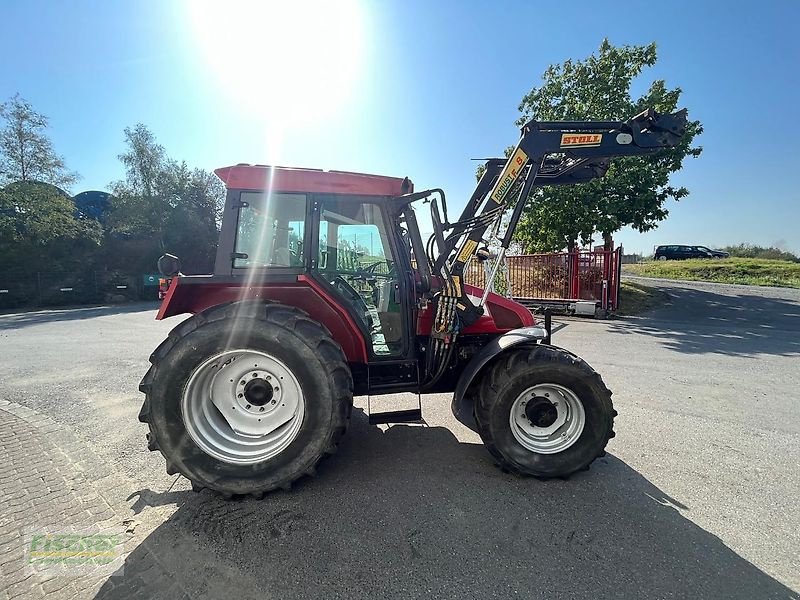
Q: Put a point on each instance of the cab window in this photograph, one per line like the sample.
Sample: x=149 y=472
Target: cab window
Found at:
x=270 y=230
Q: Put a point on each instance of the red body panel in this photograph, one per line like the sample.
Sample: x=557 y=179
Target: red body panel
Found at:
x=306 y=294
x=501 y=315
x=283 y=179
x=309 y=295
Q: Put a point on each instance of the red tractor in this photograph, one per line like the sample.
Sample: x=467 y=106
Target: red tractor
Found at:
x=324 y=289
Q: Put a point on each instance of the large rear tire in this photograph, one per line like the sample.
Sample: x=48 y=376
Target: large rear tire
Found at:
x=279 y=373
x=543 y=411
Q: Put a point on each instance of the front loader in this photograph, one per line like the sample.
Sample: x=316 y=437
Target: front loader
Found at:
x=323 y=289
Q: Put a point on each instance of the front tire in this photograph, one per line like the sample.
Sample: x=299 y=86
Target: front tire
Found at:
x=280 y=375
x=543 y=411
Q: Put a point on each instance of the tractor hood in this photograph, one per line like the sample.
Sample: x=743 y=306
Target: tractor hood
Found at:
x=500 y=315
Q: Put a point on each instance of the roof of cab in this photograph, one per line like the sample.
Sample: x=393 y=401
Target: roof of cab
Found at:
x=287 y=179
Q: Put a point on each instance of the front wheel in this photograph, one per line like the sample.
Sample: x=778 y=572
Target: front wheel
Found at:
x=542 y=411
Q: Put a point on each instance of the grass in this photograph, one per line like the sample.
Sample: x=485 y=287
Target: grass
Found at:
x=749 y=271
x=635 y=298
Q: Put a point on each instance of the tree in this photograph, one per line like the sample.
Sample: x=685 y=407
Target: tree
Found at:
x=635 y=189
x=197 y=198
x=136 y=209
x=26 y=153
x=144 y=162
x=39 y=230
x=162 y=205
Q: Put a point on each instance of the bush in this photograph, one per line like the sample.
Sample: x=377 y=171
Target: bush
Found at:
x=751 y=271
x=753 y=251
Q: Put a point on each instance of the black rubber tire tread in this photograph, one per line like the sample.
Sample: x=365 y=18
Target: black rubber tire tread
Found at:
x=509 y=375
x=286 y=327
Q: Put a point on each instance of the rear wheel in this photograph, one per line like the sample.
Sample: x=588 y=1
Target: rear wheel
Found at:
x=246 y=398
x=543 y=411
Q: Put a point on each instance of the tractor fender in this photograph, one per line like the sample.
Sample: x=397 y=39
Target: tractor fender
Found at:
x=462 y=405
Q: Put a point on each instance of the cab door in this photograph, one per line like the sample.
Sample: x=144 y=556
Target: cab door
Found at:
x=358 y=256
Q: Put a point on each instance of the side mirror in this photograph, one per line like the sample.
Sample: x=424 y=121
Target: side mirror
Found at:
x=169 y=265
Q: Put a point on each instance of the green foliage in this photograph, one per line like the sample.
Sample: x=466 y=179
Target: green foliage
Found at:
x=635 y=189
x=162 y=205
x=753 y=251
x=750 y=271
x=349 y=256
x=502 y=282
x=39 y=229
x=26 y=153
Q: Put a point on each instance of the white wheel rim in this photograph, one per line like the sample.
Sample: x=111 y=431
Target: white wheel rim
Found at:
x=242 y=406
x=558 y=435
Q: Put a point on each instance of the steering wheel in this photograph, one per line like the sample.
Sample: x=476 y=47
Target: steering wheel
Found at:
x=374 y=267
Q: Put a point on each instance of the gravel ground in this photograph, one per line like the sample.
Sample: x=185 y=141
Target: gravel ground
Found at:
x=696 y=498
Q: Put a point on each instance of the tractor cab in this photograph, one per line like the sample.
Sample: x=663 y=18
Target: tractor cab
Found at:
x=349 y=237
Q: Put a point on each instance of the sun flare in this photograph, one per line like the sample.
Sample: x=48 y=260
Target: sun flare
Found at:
x=287 y=64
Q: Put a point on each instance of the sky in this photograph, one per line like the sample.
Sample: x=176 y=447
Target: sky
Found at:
x=410 y=88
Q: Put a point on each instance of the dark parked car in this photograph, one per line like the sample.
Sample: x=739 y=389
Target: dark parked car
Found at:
x=682 y=252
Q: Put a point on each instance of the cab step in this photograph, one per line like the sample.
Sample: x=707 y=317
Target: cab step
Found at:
x=413 y=415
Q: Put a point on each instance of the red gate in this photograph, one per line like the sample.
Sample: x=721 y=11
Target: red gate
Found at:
x=560 y=277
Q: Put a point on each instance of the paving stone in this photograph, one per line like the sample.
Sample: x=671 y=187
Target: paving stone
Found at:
x=44 y=476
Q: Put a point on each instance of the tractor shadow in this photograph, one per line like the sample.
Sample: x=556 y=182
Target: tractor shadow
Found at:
x=698 y=321
x=410 y=512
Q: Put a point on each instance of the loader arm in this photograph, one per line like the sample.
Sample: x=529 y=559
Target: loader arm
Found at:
x=548 y=153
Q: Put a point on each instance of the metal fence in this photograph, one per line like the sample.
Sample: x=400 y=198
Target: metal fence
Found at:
x=20 y=289
x=560 y=276
x=632 y=259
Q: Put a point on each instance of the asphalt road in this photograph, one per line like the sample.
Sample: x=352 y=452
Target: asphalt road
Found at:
x=698 y=496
